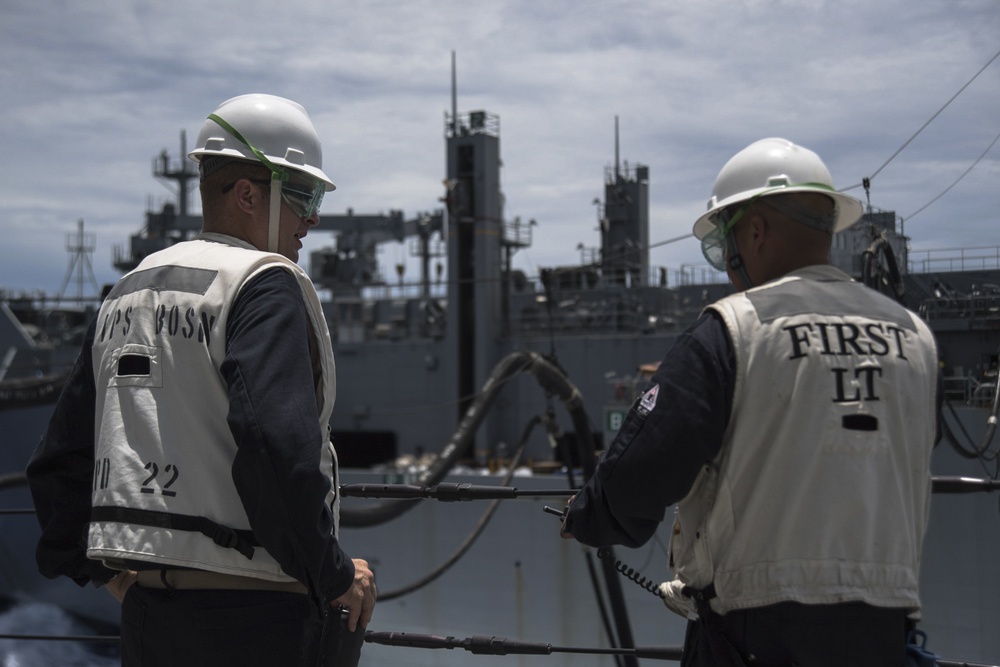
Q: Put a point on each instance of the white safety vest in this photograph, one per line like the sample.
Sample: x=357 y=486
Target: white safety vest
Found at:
x=163 y=490
x=821 y=492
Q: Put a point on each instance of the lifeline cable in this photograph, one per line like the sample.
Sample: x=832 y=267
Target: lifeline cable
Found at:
x=491 y=645
x=448 y=493
x=462 y=492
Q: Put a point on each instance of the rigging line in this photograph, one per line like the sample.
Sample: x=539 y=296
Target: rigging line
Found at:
x=669 y=241
x=629 y=252
x=964 y=174
x=439 y=405
x=900 y=150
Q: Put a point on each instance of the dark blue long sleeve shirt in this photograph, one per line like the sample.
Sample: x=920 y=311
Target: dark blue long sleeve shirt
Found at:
x=660 y=449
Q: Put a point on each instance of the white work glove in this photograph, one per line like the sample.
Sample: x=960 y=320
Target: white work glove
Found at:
x=677 y=602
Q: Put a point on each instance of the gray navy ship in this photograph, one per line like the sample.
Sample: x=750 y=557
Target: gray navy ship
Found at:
x=478 y=374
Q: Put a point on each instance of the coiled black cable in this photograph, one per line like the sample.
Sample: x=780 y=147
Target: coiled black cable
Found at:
x=629 y=573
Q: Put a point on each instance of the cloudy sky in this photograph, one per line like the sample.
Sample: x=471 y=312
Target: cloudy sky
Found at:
x=90 y=93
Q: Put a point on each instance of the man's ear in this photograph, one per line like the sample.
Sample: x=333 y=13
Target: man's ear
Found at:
x=758 y=232
x=244 y=193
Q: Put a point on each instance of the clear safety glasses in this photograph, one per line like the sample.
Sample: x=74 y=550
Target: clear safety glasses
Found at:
x=304 y=199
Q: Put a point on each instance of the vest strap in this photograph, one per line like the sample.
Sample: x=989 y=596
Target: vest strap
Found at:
x=701 y=597
x=228 y=538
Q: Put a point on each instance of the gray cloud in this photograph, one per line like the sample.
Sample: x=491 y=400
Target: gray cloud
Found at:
x=93 y=93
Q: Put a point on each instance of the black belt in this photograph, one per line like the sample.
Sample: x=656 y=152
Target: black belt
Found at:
x=173 y=579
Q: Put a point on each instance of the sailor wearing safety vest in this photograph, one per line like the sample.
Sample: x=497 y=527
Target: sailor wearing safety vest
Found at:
x=792 y=425
x=188 y=464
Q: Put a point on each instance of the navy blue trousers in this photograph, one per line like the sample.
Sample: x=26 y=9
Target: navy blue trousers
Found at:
x=162 y=628
x=790 y=634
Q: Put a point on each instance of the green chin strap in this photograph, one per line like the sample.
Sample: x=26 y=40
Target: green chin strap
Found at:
x=274 y=216
x=734 y=261
x=278 y=176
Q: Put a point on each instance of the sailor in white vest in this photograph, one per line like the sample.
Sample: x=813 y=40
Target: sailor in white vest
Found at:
x=204 y=490
x=792 y=425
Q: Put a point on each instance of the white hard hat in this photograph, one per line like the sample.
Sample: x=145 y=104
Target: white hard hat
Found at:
x=250 y=126
x=775 y=166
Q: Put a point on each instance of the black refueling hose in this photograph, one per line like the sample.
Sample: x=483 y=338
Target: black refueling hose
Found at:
x=551 y=379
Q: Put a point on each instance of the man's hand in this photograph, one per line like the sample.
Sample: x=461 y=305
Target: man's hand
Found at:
x=121 y=583
x=563 y=533
x=360 y=597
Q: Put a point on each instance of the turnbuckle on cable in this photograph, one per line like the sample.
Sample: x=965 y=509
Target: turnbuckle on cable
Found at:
x=446 y=492
x=483 y=645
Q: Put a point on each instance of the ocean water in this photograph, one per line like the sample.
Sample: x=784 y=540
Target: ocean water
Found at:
x=24 y=617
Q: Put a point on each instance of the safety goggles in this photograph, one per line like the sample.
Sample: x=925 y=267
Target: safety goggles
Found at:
x=713 y=244
x=304 y=199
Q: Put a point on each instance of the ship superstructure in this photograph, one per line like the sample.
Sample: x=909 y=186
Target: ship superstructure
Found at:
x=412 y=355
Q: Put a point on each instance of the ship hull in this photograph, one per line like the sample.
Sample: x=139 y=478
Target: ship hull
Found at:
x=520 y=580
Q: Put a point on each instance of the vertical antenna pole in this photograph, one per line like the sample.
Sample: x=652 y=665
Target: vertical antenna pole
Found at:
x=617 y=173
x=454 y=98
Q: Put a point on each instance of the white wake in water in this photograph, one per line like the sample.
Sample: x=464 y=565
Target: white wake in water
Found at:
x=34 y=618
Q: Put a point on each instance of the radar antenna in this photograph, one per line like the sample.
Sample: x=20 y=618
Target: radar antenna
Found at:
x=80 y=247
